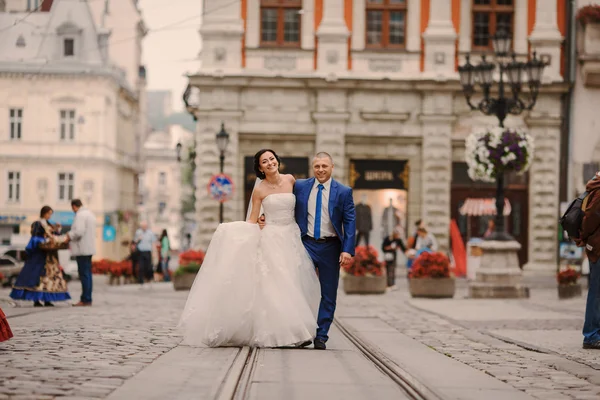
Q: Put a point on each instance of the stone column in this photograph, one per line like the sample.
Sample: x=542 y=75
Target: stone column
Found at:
x=207 y=164
x=437 y=123
x=440 y=38
x=546 y=38
x=543 y=195
x=333 y=38
x=330 y=123
x=222 y=29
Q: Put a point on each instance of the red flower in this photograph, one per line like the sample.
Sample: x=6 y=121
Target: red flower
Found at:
x=431 y=265
x=588 y=14
x=191 y=256
x=365 y=263
x=567 y=276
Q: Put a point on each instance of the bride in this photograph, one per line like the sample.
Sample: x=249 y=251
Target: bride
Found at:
x=256 y=287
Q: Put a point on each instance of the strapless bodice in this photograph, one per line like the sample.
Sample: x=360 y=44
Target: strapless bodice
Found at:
x=279 y=208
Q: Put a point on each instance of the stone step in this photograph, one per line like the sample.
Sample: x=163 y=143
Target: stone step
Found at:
x=482 y=290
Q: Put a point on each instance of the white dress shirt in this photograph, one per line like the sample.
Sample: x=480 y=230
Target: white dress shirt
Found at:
x=326 y=225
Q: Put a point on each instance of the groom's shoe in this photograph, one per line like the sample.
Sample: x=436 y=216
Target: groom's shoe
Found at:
x=320 y=345
x=304 y=344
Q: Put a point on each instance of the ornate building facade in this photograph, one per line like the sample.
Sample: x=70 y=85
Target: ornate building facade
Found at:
x=70 y=120
x=375 y=84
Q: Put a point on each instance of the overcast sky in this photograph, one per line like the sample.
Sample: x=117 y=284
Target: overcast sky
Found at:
x=171 y=52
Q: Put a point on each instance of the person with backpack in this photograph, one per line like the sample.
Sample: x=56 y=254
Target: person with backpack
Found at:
x=589 y=237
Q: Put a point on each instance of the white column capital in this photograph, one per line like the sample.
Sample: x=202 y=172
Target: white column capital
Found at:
x=440 y=38
x=333 y=38
x=333 y=26
x=546 y=38
x=546 y=22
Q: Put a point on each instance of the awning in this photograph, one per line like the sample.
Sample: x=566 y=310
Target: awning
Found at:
x=483 y=207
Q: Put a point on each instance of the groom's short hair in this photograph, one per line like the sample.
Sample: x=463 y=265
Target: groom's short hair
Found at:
x=323 y=154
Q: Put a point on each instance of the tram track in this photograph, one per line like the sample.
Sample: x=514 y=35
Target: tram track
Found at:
x=414 y=389
x=237 y=383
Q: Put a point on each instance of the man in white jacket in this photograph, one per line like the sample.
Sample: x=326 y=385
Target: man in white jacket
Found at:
x=83 y=247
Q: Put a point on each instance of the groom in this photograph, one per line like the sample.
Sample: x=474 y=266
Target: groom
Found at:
x=325 y=215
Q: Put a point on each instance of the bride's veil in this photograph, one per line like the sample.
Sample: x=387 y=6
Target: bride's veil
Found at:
x=256 y=183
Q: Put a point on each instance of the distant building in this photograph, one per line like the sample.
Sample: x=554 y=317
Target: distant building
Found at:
x=375 y=84
x=159 y=106
x=161 y=184
x=71 y=120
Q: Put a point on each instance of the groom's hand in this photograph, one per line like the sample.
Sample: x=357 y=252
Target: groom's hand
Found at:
x=345 y=258
x=261 y=221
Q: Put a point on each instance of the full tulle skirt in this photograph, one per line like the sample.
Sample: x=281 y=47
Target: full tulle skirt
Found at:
x=255 y=288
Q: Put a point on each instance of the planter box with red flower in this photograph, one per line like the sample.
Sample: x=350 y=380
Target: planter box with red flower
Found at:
x=588 y=43
x=190 y=263
x=118 y=271
x=429 y=277
x=366 y=275
x=568 y=287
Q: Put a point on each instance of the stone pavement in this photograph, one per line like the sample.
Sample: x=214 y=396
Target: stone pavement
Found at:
x=64 y=352
x=87 y=352
x=533 y=345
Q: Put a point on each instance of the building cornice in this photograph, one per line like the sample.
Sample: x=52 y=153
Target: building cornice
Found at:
x=23 y=70
x=343 y=83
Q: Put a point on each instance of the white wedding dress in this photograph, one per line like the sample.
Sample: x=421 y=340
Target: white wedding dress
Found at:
x=255 y=287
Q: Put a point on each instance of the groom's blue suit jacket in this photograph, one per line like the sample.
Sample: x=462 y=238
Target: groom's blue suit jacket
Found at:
x=341 y=210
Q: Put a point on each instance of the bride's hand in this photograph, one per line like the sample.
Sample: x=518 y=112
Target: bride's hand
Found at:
x=261 y=221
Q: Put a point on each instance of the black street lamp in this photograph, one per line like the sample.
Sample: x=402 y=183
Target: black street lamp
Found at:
x=222 y=142
x=191 y=99
x=514 y=103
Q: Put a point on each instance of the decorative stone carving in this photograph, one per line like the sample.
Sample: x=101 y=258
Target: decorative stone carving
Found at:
x=333 y=56
x=280 y=63
x=544 y=189
x=220 y=54
x=385 y=65
x=436 y=177
x=589 y=50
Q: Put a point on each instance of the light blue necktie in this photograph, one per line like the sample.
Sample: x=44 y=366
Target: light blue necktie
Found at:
x=318 y=212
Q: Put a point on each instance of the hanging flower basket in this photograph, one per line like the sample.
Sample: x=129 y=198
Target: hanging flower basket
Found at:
x=498 y=150
x=588 y=14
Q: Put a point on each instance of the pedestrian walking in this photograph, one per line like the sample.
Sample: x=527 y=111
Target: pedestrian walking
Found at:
x=41 y=279
x=134 y=257
x=83 y=247
x=590 y=238
x=390 y=246
x=165 y=248
x=144 y=239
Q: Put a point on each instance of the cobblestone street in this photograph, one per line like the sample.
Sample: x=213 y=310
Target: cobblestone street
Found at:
x=87 y=352
x=64 y=352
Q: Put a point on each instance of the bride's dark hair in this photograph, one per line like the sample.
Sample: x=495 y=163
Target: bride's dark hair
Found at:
x=257 y=171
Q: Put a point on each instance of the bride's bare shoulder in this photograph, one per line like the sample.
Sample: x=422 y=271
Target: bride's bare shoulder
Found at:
x=290 y=178
x=261 y=190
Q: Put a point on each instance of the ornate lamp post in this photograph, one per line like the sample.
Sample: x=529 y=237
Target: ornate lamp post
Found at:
x=222 y=142
x=191 y=99
x=504 y=103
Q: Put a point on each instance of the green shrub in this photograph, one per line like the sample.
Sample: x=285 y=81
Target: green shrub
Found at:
x=191 y=268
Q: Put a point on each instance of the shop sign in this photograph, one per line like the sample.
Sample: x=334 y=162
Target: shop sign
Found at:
x=12 y=219
x=379 y=174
